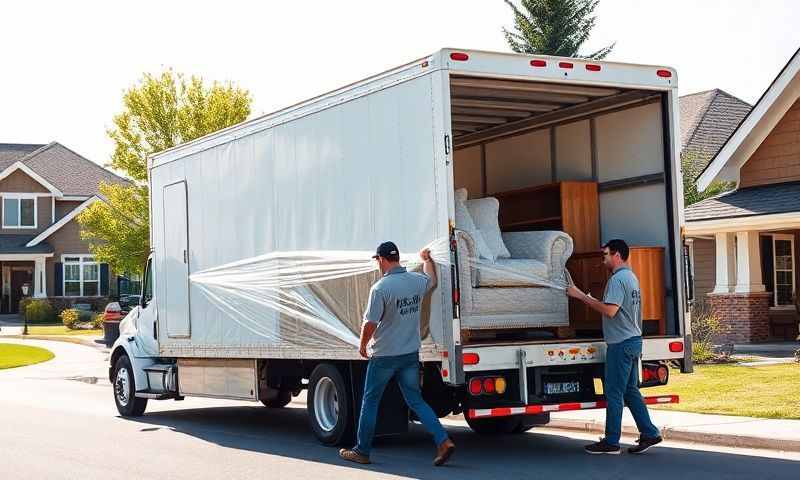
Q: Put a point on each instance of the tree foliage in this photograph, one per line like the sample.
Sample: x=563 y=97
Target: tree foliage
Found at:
x=160 y=112
x=553 y=27
x=691 y=168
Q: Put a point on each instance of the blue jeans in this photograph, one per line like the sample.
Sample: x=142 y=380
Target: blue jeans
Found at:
x=380 y=370
x=621 y=388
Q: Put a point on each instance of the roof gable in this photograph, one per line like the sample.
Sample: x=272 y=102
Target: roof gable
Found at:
x=707 y=120
x=767 y=112
x=11 y=152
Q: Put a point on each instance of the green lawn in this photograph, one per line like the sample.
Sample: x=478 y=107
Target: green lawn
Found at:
x=13 y=355
x=771 y=391
x=60 y=330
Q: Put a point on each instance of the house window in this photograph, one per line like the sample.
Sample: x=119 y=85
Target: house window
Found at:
x=783 y=264
x=19 y=210
x=81 y=276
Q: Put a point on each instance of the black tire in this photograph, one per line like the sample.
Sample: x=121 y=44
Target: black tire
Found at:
x=124 y=389
x=334 y=425
x=280 y=401
x=494 y=426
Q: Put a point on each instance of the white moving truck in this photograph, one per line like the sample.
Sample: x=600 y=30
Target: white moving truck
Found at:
x=262 y=232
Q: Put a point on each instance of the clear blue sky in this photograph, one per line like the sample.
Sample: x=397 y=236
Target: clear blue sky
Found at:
x=65 y=64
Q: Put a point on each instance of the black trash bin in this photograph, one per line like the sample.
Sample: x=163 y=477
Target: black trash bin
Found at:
x=110 y=331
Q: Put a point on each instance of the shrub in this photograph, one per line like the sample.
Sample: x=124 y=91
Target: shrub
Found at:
x=705 y=328
x=23 y=304
x=70 y=318
x=38 y=311
x=97 y=321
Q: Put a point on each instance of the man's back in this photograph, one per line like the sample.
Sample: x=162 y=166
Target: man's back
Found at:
x=395 y=304
x=623 y=290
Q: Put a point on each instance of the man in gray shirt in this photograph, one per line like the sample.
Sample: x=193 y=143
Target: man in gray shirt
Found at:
x=622 y=330
x=390 y=338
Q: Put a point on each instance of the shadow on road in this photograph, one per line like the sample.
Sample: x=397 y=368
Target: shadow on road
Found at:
x=286 y=433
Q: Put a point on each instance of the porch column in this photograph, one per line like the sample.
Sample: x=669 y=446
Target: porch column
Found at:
x=39 y=278
x=725 y=263
x=748 y=263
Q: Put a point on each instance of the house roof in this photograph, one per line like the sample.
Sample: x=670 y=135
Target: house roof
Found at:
x=69 y=172
x=759 y=122
x=10 y=243
x=707 y=120
x=746 y=202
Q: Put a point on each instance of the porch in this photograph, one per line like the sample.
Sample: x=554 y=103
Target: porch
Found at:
x=21 y=275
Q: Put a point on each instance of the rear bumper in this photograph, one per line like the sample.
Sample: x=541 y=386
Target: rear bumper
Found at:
x=556 y=407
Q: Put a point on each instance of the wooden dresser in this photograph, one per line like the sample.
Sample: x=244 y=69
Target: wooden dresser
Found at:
x=570 y=207
x=590 y=275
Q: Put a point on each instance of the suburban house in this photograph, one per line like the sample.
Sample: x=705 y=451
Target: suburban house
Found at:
x=707 y=120
x=43 y=188
x=744 y=243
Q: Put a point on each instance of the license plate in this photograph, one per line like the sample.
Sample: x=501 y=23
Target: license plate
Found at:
x=558 y=388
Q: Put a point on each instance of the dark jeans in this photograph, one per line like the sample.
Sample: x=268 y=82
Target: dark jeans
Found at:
x=380 y=370
x=621 y=388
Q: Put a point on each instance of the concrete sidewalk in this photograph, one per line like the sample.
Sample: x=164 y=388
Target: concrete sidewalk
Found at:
x=695 y=427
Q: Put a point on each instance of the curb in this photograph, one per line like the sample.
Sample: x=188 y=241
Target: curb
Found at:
x=87 y=342
x=670 y=433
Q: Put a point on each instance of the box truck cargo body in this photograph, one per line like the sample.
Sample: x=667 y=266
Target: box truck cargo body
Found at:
x=262 y=235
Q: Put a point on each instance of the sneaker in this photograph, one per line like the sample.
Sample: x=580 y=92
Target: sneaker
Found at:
x=602 y=447
x=443 y=452
x=354 y=456
x=644 y=443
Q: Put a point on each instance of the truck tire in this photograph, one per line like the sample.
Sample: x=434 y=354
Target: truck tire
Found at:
x=128 y=405
x=330 y=406
x=280 y=401
x=494 y=426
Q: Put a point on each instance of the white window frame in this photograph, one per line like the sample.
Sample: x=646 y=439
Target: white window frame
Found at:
x=19 y=197
x=790 y=238
x=83 y=261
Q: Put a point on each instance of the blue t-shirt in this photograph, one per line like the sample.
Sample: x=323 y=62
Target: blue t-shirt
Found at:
x=622 y=289
x=395 y=304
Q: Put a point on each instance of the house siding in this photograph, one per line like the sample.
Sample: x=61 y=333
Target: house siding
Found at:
x=63 y=207
x=20 y=182
x=777 y=159
x=705 y=268
x=66 y=241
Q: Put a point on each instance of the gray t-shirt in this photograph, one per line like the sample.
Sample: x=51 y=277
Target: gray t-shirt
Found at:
x=395 y=304
x=623 y=289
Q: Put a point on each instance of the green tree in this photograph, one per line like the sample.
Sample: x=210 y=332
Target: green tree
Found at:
x=691 y=167
x=553 y=27
x=160 y=112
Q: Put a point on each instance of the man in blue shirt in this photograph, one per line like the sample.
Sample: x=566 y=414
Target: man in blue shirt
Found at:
x=390 y=338
x=622 y=330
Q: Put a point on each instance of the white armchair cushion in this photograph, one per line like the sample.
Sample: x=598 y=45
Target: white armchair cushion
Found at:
x=514 y=272
x=465 y=223
x=484 y=213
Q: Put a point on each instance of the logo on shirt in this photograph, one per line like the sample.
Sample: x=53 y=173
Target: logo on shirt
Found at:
x=408 y=305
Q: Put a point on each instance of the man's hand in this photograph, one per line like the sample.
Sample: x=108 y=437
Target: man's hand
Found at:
x=363 y=351
x=425 y=255
x=575 y=292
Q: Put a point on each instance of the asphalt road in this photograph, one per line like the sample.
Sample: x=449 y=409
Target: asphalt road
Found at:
x=55 y=424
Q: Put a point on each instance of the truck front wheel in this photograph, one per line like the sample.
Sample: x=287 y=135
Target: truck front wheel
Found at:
x=329 y=406
x=128 y=405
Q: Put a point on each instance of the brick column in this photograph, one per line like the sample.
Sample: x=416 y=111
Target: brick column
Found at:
x=743 y=317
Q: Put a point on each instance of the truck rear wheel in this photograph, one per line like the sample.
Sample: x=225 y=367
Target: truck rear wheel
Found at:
x=329 y=406
x=128 y=405
x=494 y=426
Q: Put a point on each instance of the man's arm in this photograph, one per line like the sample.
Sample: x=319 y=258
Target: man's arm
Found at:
x=372 y=316
x=429 y=268
x=367 y=331
x=607 y=309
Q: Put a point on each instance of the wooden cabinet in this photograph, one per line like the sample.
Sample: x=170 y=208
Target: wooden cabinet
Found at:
x=570 y=207
x=590 y=275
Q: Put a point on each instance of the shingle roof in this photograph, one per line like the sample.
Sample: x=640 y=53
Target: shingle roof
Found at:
x=707 y=120
x=11 y=152
x=745 y=202
x=10 y=243
x=67 y=170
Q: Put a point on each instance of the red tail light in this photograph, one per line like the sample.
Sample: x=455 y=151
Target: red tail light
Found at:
x=475 y=386
x=647 y=375
x=471 y=359
x=538 y=63
x=676 y=347
x=592 y=67
x=488 y=385
x=565 y=65
x=664 y=73
x=459 y=57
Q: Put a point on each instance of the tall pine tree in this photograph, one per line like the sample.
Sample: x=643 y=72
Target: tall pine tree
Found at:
x=553 y=27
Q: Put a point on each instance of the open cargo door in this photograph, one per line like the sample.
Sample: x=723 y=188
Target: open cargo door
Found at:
x=176 y=261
